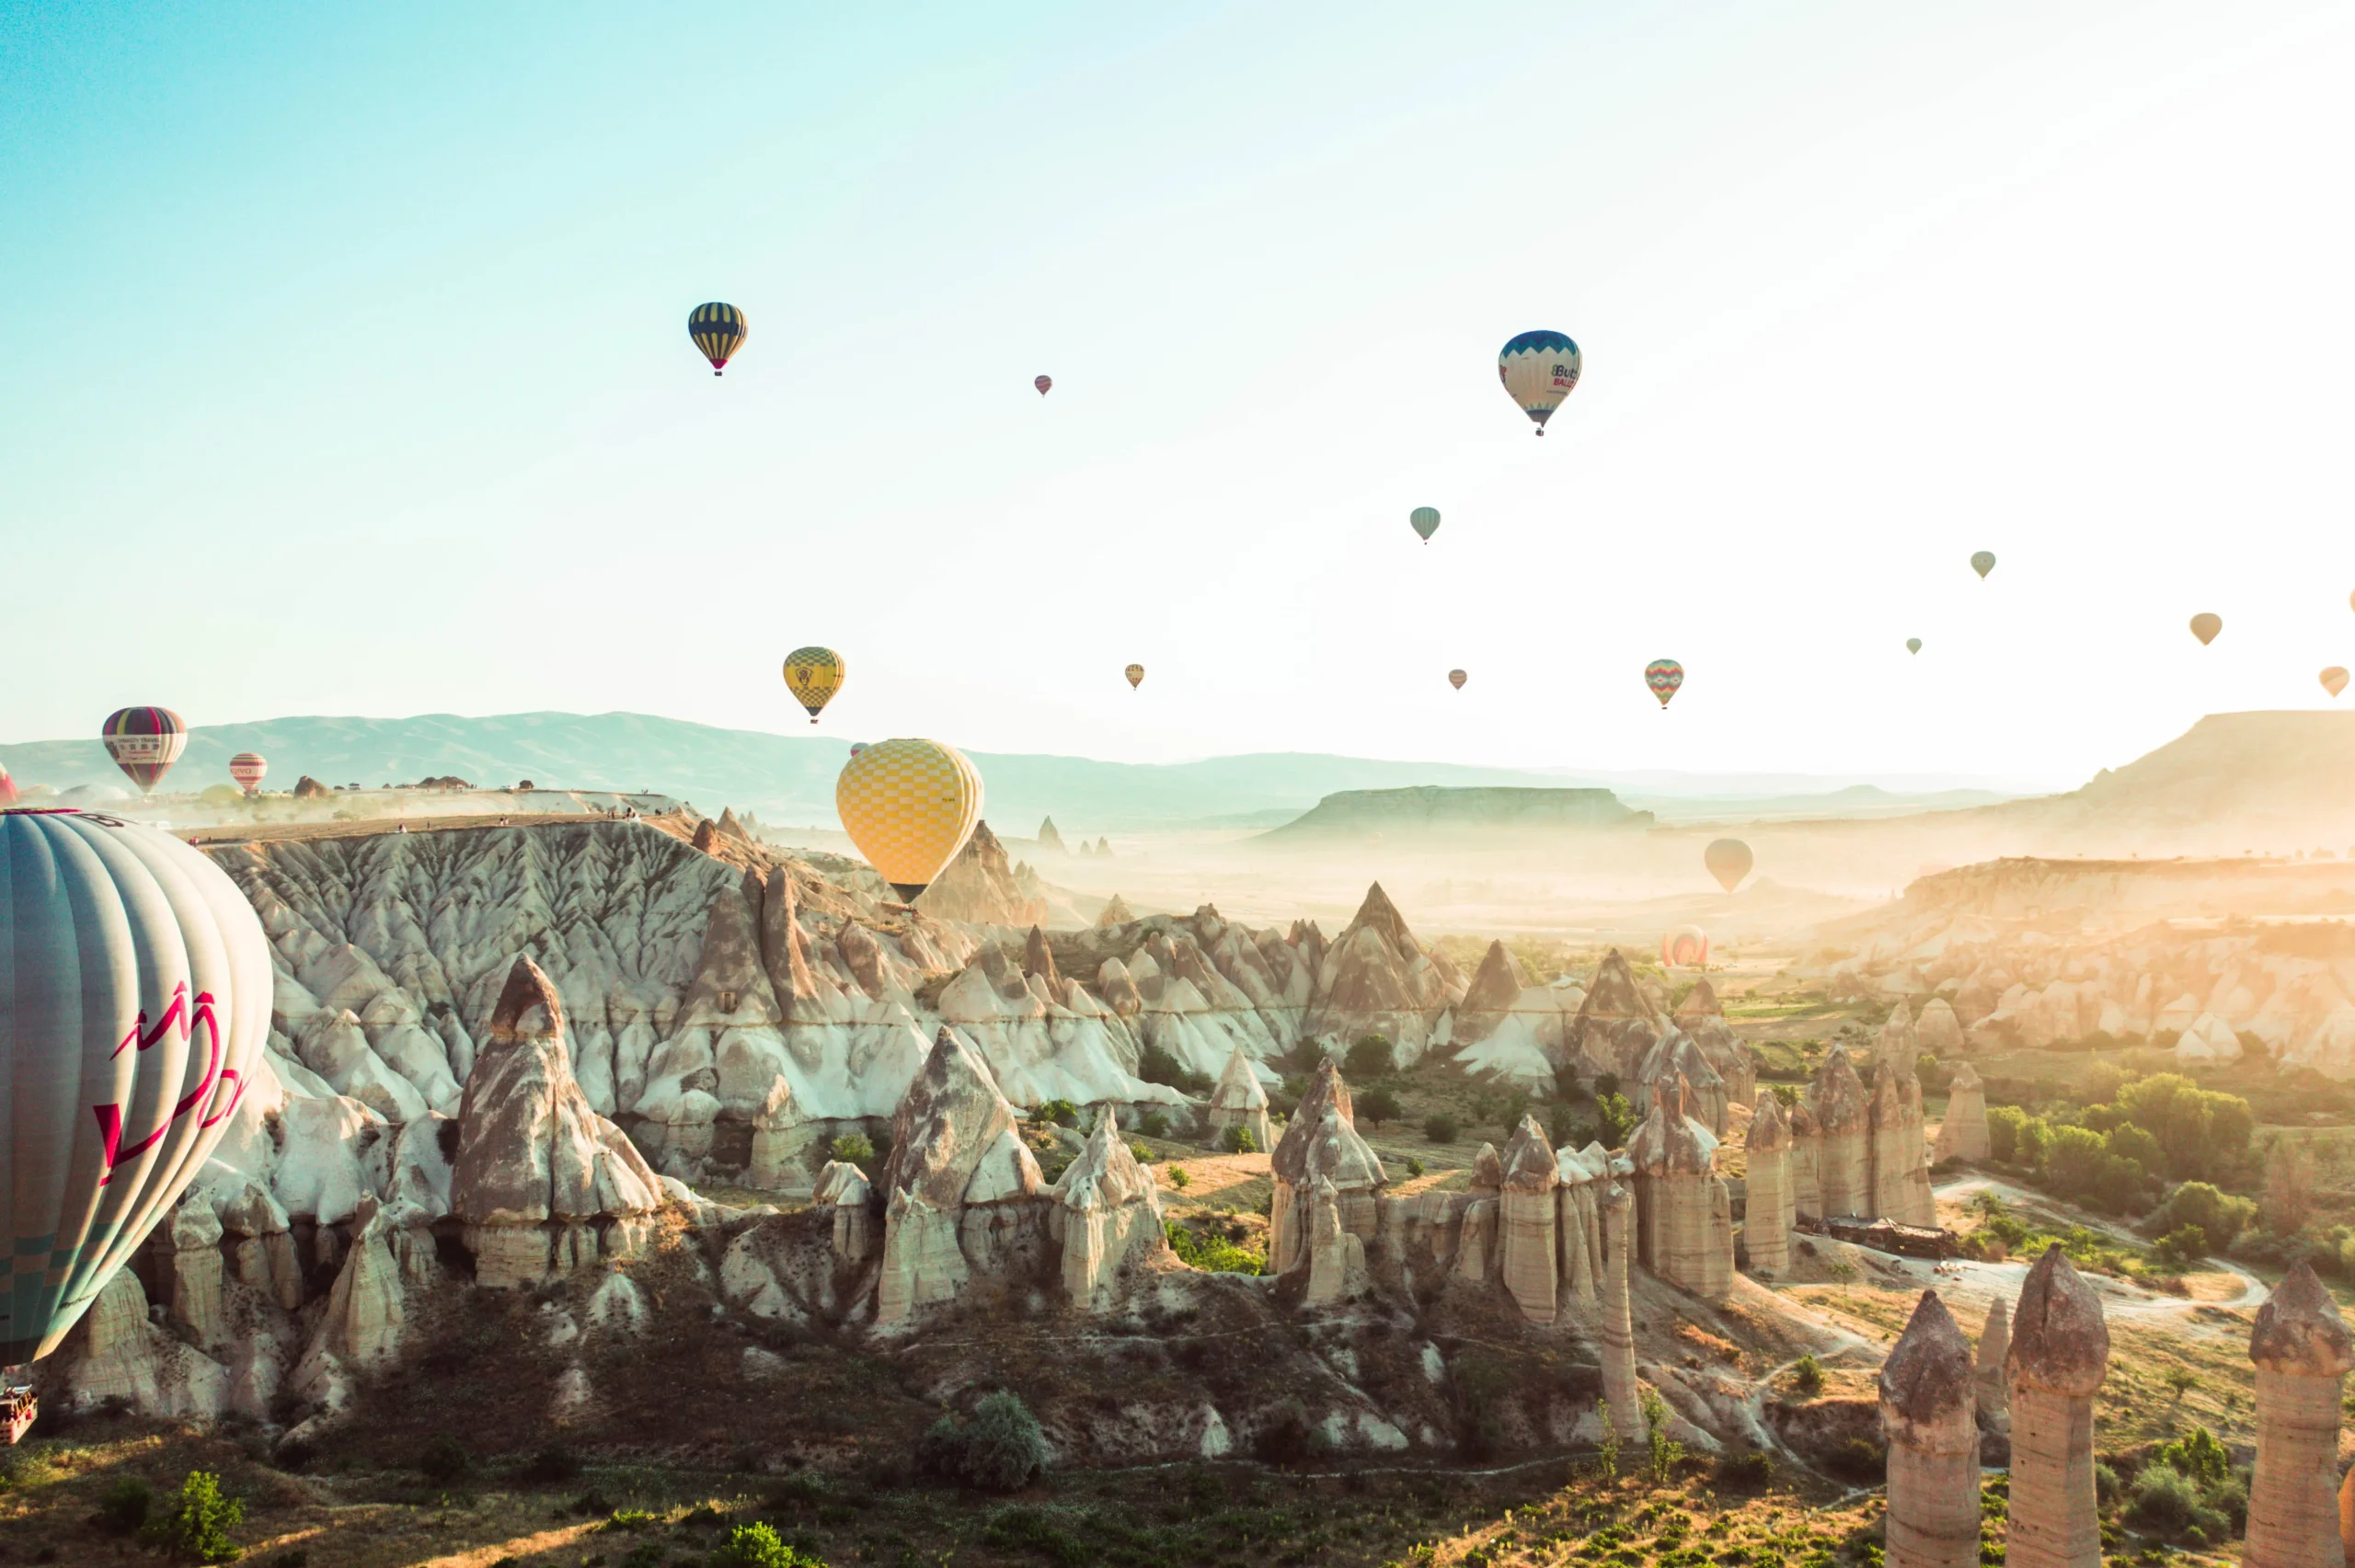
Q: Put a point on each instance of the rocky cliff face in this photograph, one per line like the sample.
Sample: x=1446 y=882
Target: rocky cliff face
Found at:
x=1376 y=979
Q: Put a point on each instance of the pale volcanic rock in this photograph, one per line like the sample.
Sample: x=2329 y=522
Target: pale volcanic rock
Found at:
x=199 y=1298
x=1962 y=1134
x=2209 y=1042
x=1321 y=1139
x=1375 y=979
x=1616 y=1026
x=1507 y=1027
x=320 y=1174
x=2060 y=1356
x=1899 y=1178
x=781 y=1144
x=1995 y=1379
x=1685 y=1214
x=982 y=887
x=1844 y=1163
x=1527 y=1222
x=1702 y=1017
x=258 y=1234
x=1037 y=1048
x=1896 y=1045
x=334 y=1046
x=1807 y=1161
x=1771 y=1202
x=1333 y=1256
x=1581 y=1175
x=1938 y=1032
x=1677 y=1056
x=115 y=1353
x=1038 y=960
x=842 y=1188
x=1928 y=1415
x=1115 y=912
x=1618 y=1336
x=1050 y=839
x=1240 y=1101
x=367 y=1310
x=2302 y=1354
x=953 y=1146
x=1108 y=1212
x=542 y=1182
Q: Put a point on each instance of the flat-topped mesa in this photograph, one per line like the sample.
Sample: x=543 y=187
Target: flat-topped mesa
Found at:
x=1108 y=1212
x=1900 y=1176
x=2302 y=1354
x=1766 y=1232
x=958 y=1185
x=1844 y=1164
x=1807 y=1160
x=1962 y=1133
x=542 y=1184
x=1995 y=1377
x=1701 y=1016
x=1675 y=1055
x=2060 y=1356
x=1527 y=1223
x=1240 y=1101
x=1322 y=1139
x=1929 y=1416
x=1685 y=1213
x=1616 y=1026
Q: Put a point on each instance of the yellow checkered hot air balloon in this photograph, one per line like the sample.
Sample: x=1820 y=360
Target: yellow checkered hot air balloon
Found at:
x=813 y=675
x=909 y=805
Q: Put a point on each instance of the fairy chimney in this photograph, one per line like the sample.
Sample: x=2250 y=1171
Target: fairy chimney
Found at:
x=2060 y=1356
x=1929 y=1417
x=1995 y=1382
x=1767 y=1233
x=1962 y=1134
x=2303 y=1353
x=1527 y=1222
x=1618 y=1318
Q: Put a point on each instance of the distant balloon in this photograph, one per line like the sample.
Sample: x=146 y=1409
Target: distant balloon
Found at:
x=248 y=769
x=1456 y=678
x=718 y=330
x=1912 y=645
x=856 y=747
x=133 y=1005
x=1983 y=561
x=1728 y=861
x=2334 y=680
x=1538 y=369
x=7 y=788
x=1687 y=945
x=2205 y=626
x=1663 y=676
x=1045 y=383
x=909 y=805
x=813 y=675
x=1135 y=673
x=1424 y=521
x=144 y=743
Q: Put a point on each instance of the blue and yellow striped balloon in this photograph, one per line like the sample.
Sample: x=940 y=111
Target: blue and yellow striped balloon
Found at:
x=719 y=331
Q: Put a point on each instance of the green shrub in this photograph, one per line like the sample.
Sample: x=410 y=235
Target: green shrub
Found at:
x=854 y=1148
x=1238 y=1141
x=1747 y=1472
x=1662 y=1453
x=1061 y=1112
x=1618 y=1119
x=1414 y=1169
x=1000 y=1449
x=445 y=1461
x=1379 y=1105
x=1858 y=1460
x=1214 y=1255
x=122 y=1508
x=1371 y=1056
x=757 y=1546
x=1807 y=1376
x=1152 y=1124
x=2165 y=1504
x=1158 y=1066
x=1179 y=1178
x=2181 y=1247
x=2199 y=1455
x=197 y=1527
x=2219 y=1216
x=1441 y=1128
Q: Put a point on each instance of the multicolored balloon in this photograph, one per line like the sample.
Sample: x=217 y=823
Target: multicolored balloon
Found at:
x=248 y=768
x=2334 y=680
x=1663 y=676
x=1729 y=861
x=718 y=330
x=1538 y=369
x=1456 y=678
x=1912 y=645
x=1135 y=673
x=1424 y=521
x=856 y=747
x=2205 y=626
x=8 y=787
x=1045 y=383
x=909 y=805
x=135 y=1003
x=144 y=743
x=1686 y=945
x=1983 y=563
x=813 y=675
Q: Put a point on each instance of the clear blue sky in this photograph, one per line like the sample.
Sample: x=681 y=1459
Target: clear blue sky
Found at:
x=343 y=369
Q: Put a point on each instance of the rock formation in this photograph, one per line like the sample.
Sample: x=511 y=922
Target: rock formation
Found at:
x=1938 y=1031
x=1333 y=1257
x=1239 y=1101
x=955 y=1189
x=542 y=1182
x=1321 y=1139
x=844 y=1188
x=2060 y=1356
x=1684 y=1215
x=1995 y=1375
x=1116 y=910
x=115 y=1353
x=2302 y=1354
x=1616 y=1026
x=1582 y=1174
x=983 y=887
x=1107 y=1212
x=1676 y=1055
x=1962 y=1134
x=1928 y=1415
x=1896 y=1046
x=1770 y=1206
x=1618 y=1334
x=1701 y=1016
x=1807 y=1161
x=1376 y=979
x=1844 y=1163
x=1899 y=1178
x=1050 y=840
x=1527 y=1223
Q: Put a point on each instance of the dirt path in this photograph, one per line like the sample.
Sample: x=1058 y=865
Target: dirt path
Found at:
x=2116 y=1295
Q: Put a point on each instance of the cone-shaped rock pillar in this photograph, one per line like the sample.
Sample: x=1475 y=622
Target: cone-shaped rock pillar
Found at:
x=2060 y=1356
x=1618 y=1317
x=2303 y=1353
x=1994 y=1352
x=1767 y=1233
x=1928 y=1412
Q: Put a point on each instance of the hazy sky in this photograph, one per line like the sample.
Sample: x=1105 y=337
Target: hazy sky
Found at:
x=343 y=369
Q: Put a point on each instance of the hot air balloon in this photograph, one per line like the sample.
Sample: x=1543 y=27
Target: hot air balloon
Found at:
x=2334 y=680
x=1456 y=678
x=856 y=747
x=145 y=742
x=1912 y=645
x=1983 y=561
x=1045 y=383
x=2205 y=626
x=8 y=787
x=1424 y=521
x=813 y=675
x=1663 y=676
x=909 y=805
x=718 y=330
x=1686 y=945
x=1728 y=861
x=1135 y=673
x=1538 y=369
x=248 y=768
x=134 y=1006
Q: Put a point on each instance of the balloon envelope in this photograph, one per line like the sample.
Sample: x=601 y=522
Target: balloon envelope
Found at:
x=1456 y=678
x=1663 y=676
x=1135 y=673
x=1728 y=861
x=1983 y=561
x=1538 y=369
x=909 y=805
x=248 y=768
x=1424 y=521
x=1912 y=645
x=2334 y=680
x=132 y=1011
x=718 y=330
x=7 y=788
x=145 y=742
x=2205 y=626
x=1686 y=945
x=813 y=675
x=1043 y=384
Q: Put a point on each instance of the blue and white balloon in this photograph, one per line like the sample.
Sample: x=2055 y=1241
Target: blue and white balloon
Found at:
x=1539 y=369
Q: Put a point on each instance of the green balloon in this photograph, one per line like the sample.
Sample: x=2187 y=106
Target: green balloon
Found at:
x=1983 y=561
x=1425 y=521
x=1912 y=645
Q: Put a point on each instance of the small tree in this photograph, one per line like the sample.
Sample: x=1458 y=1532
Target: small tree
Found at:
x=2182 y=1380
x=1370 y=1058
x=1619 y=1120
x=1606 y=1452
x=1842 y=1271
x=1379 y=1105
x=1179 y=1178
x=758 y=1546
x=1441 y=1128
x=197 y=1529
x=855 y=1148
x=1663 y=1453
x=1807 y=1376
x=1238 y=1141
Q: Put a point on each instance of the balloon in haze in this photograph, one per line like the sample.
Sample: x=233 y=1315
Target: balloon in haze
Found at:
x=1912 y=645
x=1456 y=678
x=1539 y=369
x=1135 y=673
x=856 y=747
x=1983 y=561
x=1728 y=861
x=1663 y=676
x=248 y=768
x=2334 y=680
x=133 y=1005
x=2205 y=626
x=144 y=743
x=1424 y=521
x=1045 y=383
x=1686 y=945
x=718 y=330
x=909 y=805
x=813 y=675
x=8 y=787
